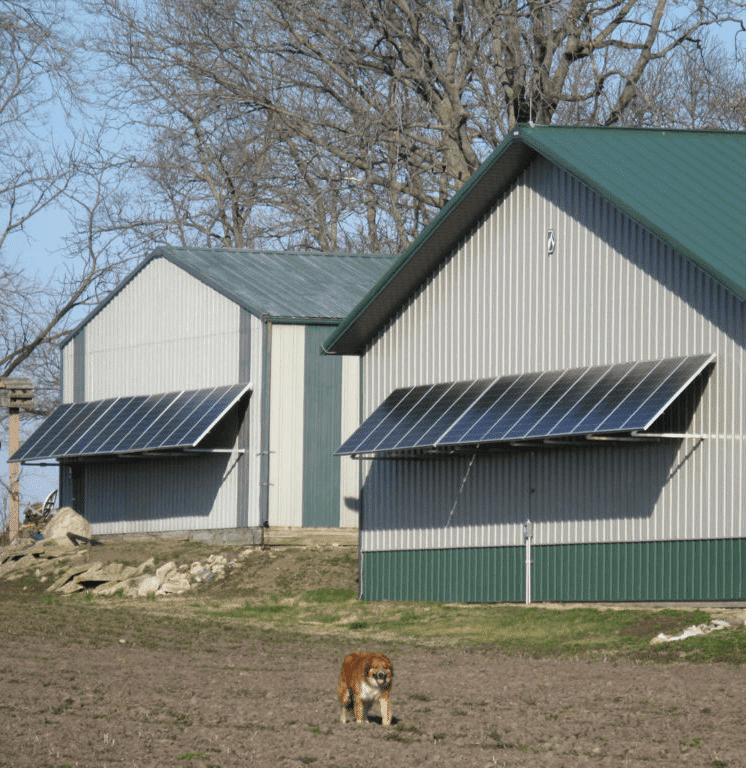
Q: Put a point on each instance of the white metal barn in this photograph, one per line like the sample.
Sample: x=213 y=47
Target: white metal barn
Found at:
x=197 y=397
x=553 y=378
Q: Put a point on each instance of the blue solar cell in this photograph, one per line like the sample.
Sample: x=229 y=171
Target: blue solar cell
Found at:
x=532 y=406
x=398 y=412
x=617 y=399
x=597 y=381
x=372 y=422
x=118 y=425
x=164 y=422
x=202 y=417
x=87 y=418
x=682 y=371
x=417 y=416
x=492 y=393
x=600 y=399
x=461 y=396
x=38 y=438
x=96 y=429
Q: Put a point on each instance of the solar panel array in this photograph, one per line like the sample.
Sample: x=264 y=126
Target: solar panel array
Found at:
x=595 y=400
x=130 y=424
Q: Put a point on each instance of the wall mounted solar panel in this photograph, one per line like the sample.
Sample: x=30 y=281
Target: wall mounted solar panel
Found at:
x=47 y=428
x=131 y=424
x=606 y=399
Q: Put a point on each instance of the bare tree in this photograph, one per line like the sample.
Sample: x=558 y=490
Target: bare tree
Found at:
x=43 y=173
x=349 y=122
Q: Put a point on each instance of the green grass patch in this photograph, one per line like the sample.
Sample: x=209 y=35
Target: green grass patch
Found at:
x=329 y=595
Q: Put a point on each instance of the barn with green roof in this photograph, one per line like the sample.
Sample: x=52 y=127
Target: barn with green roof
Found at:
x=553 y=378
x=196 y=399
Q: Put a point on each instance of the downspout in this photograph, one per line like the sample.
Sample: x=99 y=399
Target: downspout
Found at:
x=528 y=528
x=528 y=532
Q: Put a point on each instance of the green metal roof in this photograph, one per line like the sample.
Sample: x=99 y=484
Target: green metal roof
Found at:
x=686 y=187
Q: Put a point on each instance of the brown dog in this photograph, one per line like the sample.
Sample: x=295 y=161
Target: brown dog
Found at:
x=365 y=678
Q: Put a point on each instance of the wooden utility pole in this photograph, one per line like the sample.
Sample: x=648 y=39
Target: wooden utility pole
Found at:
x=15 y=394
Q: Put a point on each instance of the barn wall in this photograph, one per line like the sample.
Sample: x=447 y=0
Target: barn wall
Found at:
x=287 y=345
x=311 y=396
x=610 y=292
x=166 y=331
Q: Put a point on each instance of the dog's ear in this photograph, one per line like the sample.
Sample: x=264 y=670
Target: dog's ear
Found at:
x=367 y=668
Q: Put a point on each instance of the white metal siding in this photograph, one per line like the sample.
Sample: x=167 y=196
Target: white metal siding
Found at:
x=132 y=497
x=287 y=355
x=255 y=416
x=611 y=292
x=349 y=468
x=164 y=331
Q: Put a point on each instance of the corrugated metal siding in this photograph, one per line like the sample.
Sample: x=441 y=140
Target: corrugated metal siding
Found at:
x=484 y=575
x=166 y=331
x=676 y=570
x=161 y=495
x=321 y=432
x=349 y=484
x=660 y=570
x=610 y=292
x=286 y=424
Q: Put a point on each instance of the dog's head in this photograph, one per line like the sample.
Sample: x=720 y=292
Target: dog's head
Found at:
x=379 y=671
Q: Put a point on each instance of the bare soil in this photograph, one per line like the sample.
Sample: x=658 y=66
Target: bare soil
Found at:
x=155 y=683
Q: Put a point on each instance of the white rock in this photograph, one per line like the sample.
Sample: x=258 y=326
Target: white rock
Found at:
x=67 y=520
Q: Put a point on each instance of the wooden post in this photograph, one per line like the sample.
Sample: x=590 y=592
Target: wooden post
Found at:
x=14 y=500
x=15 y=394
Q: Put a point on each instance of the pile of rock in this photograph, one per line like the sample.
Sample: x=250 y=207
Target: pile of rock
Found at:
x=58 y=558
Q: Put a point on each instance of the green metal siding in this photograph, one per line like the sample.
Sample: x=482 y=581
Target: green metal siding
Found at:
x=483 y=575
x=667 y=570
x=647 y=571
x=322 y=431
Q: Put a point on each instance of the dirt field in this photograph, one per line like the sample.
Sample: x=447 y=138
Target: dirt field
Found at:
x=101 y=683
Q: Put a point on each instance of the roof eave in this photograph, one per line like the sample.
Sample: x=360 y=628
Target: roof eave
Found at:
x=436 y=242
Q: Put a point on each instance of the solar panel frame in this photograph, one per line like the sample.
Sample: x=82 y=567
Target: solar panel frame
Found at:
x=351 y=445
x=85 y=429
x=192 y=431
x=43 y=431
x=603 y=399
x=399 y=412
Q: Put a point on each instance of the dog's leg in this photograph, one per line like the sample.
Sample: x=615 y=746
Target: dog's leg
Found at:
x=385 y=705
x=361 y=711
x=345 y=701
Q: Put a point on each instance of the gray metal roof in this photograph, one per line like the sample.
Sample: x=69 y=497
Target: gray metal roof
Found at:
x=308 y=287
x=687 y=187
x=281 y=285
